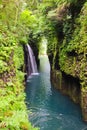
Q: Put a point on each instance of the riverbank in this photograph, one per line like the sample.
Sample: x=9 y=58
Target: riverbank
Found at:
x=50 y=109
x=13 y=111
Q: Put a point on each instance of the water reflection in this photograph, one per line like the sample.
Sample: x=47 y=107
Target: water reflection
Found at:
x=50 y=109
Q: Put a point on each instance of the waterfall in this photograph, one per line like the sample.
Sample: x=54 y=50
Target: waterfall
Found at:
x=31 y=65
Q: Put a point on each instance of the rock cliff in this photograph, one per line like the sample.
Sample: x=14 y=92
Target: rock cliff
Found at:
x=68 y=51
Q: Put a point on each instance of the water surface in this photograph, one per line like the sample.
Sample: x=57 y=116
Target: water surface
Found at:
x=50 y=109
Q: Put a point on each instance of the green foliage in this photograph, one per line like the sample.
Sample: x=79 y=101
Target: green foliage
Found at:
x=13 y=111
x=16 y=25
x=65 y=28
x=28 y=18
x=18 y=57
x=64 y=25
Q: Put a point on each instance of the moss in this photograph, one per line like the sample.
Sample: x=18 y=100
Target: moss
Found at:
x=70 y=53
x=67 y=85
x=13 y=112
x=72 y=50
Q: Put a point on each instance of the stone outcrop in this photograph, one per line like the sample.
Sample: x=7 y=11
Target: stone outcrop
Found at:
x=68 y=55
x=67 y=85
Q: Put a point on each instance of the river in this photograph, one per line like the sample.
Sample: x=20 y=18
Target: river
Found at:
x=50 y=109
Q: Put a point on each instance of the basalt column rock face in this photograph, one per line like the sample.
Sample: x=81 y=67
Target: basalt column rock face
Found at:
x=67 y=85
x=68 y=56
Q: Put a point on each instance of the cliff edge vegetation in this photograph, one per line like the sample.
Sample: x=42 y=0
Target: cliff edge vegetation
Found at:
x=16 y=24
x=65 y=28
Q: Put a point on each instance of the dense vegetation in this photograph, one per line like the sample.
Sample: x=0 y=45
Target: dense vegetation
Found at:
x=63 y=23
x=16 y=24
x=65 y=28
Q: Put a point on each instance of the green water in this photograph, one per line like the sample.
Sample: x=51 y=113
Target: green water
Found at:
x=50 y=109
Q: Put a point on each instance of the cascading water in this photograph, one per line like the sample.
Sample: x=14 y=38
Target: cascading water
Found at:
x=31 y=65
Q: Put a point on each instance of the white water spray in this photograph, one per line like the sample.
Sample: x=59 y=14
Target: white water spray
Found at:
x=32 y=66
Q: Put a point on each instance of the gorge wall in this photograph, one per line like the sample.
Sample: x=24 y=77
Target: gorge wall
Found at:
x=67 y=50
